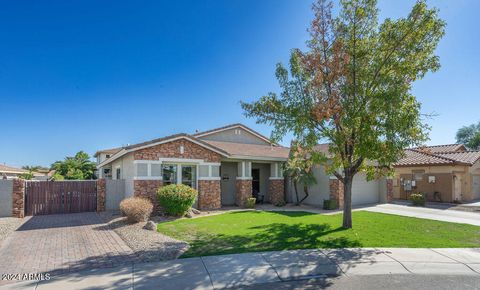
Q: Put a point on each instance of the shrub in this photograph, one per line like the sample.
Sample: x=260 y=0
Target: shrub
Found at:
x=176 y=199
x=250 y=202
x=330 y=204
x=280 y=203
x=136 y=209
x=418 y=199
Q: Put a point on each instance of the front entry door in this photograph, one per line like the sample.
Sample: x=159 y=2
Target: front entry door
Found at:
x=255 y=181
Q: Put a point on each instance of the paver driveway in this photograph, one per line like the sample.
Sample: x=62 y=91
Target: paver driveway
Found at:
x=63 y=243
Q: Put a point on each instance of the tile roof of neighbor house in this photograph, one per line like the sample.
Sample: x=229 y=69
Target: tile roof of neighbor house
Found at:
x=10 y=169
x=252 y=150
x=443 y=148
x=452 y=154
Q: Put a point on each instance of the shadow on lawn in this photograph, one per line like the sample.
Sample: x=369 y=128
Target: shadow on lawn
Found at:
x=272 y=237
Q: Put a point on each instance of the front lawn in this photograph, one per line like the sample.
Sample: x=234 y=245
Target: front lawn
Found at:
x=251 y=231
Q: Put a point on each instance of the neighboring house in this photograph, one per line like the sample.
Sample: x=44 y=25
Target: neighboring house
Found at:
x=10 y=172
x=226 y=165
x=101 y=156
x=445 y=173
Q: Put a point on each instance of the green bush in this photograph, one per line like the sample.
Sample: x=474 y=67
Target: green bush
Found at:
x=250 y=202
x=176 y=199
x=418 y=199
x=280 y=203
x=330 y=204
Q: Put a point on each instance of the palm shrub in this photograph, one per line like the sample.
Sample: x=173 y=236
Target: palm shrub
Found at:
x=176 y=199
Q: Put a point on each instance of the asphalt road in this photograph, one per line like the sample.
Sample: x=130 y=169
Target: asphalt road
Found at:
x=381 y=282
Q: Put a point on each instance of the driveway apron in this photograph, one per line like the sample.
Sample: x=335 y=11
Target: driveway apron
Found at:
x=63 y=243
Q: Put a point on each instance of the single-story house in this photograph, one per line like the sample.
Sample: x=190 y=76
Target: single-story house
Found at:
x=10 y=172
x=226 y=165
x=448 y=173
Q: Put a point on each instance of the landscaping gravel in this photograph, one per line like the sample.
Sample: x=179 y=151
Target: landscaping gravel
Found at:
x=7 y=226
x=150 y=246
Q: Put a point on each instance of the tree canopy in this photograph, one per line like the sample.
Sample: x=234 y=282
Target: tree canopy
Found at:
x=78 y=167
x=469 y=136
x=352 y=88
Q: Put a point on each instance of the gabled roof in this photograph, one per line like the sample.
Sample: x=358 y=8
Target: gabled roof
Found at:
x=241 y=150
x=10 y=169
x=108 y=151
x=233 y=126
x=439 y=155
x=443 y=148
x=158 y=141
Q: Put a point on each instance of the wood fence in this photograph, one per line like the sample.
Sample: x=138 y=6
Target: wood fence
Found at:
x=56 y=197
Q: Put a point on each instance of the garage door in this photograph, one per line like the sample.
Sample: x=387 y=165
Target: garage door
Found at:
x=476 y=186
x=363 y=191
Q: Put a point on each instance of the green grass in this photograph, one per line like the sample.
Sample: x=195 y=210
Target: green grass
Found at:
x=251 y=231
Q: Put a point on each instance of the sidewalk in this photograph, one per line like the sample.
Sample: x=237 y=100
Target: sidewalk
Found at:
x=217 y=272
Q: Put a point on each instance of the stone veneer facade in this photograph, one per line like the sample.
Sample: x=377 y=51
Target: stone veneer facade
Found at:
x=208 y=190
x=276 y=191
x=210 y=197
x=337 y=192
x=389 y=190
x=147 y=189
x=172 y=150
x=243 y=191
x=101 y=192
x=18 y=198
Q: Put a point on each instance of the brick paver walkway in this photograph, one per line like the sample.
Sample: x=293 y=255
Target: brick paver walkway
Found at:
x=63 y=243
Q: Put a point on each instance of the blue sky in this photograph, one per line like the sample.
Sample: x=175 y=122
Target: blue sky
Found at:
x=87 y=75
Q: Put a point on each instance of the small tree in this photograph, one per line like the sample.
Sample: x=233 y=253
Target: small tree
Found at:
x=78 y=167
x=299 y=168
x=352 y=88
x=470 y=136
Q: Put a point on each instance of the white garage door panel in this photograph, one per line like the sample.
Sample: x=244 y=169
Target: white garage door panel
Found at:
x=364 y=191
x=476 y=186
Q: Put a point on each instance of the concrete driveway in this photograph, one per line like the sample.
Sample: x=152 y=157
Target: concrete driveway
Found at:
x=446 y=215
x=237 y=270
x=63 y=243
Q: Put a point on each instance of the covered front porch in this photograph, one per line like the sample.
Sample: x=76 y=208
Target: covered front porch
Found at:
x=242 y=179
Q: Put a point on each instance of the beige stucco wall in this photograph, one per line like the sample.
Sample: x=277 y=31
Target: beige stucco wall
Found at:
x=464 y=172
x=231 y=136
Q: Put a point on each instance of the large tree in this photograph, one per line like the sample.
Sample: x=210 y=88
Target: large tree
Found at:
x=78 y=167
x=352 y=88
x=470 y=136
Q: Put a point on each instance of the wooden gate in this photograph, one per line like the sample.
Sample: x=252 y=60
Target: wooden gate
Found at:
x=56 y=197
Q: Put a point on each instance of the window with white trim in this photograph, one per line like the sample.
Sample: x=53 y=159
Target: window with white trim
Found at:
x=156 y=170
x=169 y=173
x=142 y=169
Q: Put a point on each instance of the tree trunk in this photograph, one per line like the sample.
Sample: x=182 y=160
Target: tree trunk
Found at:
x=296 y=192
x=347 y=201
x=305 y=189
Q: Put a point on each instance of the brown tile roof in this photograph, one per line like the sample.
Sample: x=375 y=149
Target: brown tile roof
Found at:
x=10 y=169
x=415 y=158
x=439 y=155
x=468 y=157
x=252 y=150
x=442 y=148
